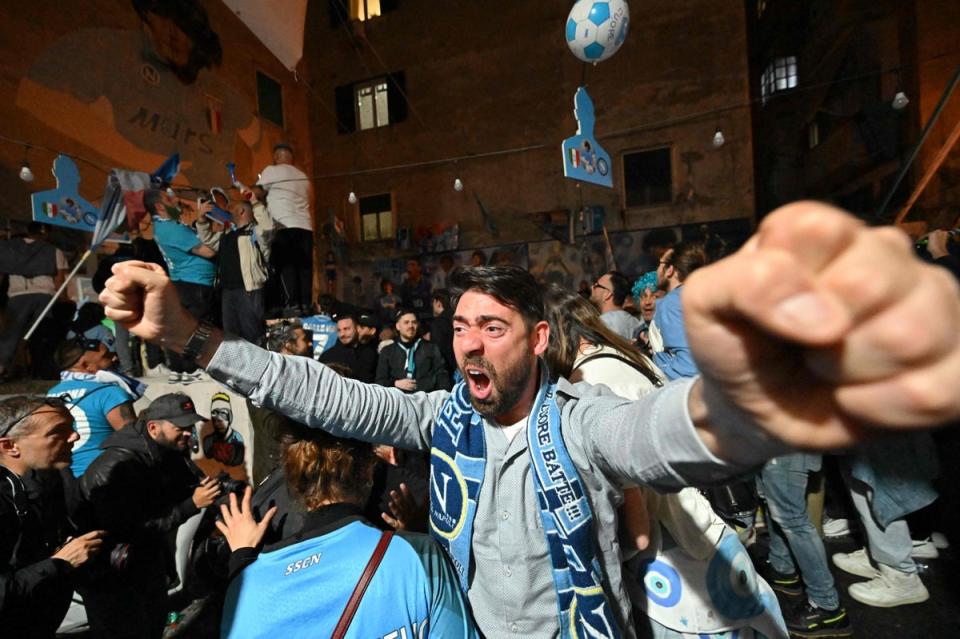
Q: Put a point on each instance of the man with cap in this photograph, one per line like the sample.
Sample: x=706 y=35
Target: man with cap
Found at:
x=361 y=359
x=288 y=195
x=100 y=401
x=140 y=489
x=367 y=328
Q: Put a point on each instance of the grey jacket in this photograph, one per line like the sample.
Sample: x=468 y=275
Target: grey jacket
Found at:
x=612 y=441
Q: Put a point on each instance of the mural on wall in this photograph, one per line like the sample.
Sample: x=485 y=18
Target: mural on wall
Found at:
x=568 y=265
x=552 y=262
x=363 y=280
x=222 y=444
x=137 y=96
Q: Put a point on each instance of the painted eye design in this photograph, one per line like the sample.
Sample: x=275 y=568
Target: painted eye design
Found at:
x=732 y=581
x=662 y=583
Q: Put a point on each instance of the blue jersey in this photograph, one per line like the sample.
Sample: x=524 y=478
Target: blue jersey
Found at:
x=176 y=242
x=324 y=332
x=90 y=402
x=300 y=590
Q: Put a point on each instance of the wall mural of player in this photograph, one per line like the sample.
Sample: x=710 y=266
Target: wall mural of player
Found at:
x=138 y=95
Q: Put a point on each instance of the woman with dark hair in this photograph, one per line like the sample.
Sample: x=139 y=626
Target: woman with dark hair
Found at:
x=308 y=584
x=671 y=544
x=583 y=349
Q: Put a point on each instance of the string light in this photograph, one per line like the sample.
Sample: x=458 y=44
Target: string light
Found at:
x=25 y=173
x=900 y=101
x=718 y=139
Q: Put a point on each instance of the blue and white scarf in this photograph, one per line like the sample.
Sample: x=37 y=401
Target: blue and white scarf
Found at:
x=411 y=367
x=134 y=387
x=457 y=463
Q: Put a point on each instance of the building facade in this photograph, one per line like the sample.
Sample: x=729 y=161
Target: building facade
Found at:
x=842 y=92
x=429 y=93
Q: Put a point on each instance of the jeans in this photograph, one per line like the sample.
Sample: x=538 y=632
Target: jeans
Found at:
x=198 y=300
x=243 y=314
x=795 y=544
x=890 y=546
x=124 y=354
x=292 y=253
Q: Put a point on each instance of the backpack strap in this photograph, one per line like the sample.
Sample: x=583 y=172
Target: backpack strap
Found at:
x=648 y=374
x=354 y=602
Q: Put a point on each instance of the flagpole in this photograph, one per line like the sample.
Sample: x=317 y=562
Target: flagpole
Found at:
x=56 y=295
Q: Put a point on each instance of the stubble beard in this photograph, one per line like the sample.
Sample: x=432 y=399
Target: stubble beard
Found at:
x=508 y=388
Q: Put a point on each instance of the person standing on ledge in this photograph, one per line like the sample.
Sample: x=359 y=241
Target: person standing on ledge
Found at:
x=288 y=196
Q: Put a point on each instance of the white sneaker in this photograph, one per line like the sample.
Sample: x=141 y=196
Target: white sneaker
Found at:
x=940 y=541
x=924 y=549
x=891 y=588
x=157 y=371
x=174 y=378
x=835 y=527
x=856 y=563
x=195 y=376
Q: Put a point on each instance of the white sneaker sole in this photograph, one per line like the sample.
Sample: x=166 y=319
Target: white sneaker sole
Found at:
x=867 y=599
x=924 y=551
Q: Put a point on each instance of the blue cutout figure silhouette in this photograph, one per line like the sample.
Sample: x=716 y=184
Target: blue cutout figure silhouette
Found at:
x=583 y=158
x=63 y=205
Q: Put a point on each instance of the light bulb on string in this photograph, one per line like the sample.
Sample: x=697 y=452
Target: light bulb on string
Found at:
x=352 y=198
x=25 y=173
x=900 y=101
x=718 y=139
x=458 y=185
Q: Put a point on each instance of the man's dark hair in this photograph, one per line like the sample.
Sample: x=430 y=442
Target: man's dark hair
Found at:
x=659 y=238
x=68 y=353
x=282 y=334
x=688 y=257
x=620 y=287
x=282 y=146
x=510 y=285
x=441 y=295
x=34 y=228
x=152 y=197
x=345 y=315
x=404 y=311
x=329 y=305
x=191 y=18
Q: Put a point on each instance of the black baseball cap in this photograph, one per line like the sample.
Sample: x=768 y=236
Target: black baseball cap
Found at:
x=177 y=408
x=368 y=320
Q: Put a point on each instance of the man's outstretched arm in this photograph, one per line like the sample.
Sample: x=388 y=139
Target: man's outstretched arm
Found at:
x=141 y=296
x=819 y=331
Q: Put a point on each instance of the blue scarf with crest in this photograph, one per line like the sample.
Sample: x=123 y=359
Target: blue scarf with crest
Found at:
x=457 y=463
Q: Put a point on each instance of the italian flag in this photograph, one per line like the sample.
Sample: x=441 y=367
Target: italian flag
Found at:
x=575 y=157
x=50 y=209
x=214 y=114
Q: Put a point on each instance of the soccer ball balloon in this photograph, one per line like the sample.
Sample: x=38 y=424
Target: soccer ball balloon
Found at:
x=597 y=28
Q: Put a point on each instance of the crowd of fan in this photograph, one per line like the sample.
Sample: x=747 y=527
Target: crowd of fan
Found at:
x=93 y=494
